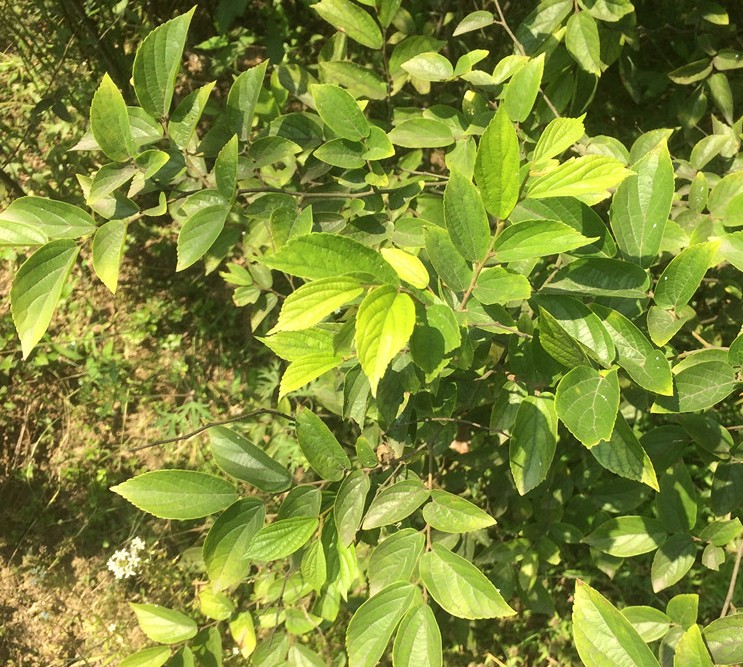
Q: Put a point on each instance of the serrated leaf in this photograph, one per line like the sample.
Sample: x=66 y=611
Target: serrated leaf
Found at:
x=225 y=170
x=466 y=218
x=339 y=111
x=459 y=587
x=163 y=625
x=304 y=500
x=582 y=42
x=199 y=232
x=20 y=234
x=587 y=178
x=325 y=255
x=349 y=505
x=672 y=561
x=603 y=636
x=371 y=627
x=698 y=387
x=109 y=122
x=497 y=165
x=384 y=324
x=294 y=345
x=321 y=448
x=641 y=205
x=36 y=290
x=497 y=285
x=313 y=302
x=559 y=135
x=242 y=100
x=281 y=538
x=521 y=91
x=408 y=267
x=418 y=640
x=245 y=461
x=177 y=494
x=107 y=179
x=157 y=62
x=600 y=276
x=683 y=275
x=395 y=503
x=587 y=403
x=644 y=364
x=533 y=442
x=450 y=513
x=394 y=559
x=314 y=566
x=627 y=536
x=351 y=20
x=227 y=540
x=449 y=264
x=359 y=80
x=306 y=368
x=533 y=239
x=108 y=249
x=421 y=133
x=184 y=120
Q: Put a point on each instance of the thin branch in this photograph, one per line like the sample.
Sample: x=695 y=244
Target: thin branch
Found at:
x=222 y=422
x=733 y=580
x=504 y=24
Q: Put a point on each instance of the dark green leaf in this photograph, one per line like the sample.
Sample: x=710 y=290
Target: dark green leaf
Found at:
x=321 y=448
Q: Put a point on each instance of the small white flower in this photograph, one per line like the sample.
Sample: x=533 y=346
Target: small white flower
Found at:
x=111 y=627
x=125 y=563
x=137 y=544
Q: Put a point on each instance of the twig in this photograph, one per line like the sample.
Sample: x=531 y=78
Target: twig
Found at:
x=504 y=24
x=222 y=422
x=733 y=580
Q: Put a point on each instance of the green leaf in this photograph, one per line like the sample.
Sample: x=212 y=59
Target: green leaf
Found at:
x=325 y=255
x=215 y=605
x=676 y=504
x=242 y=100
x=267 y=150
x=559 y=135
x=371 y=627
x=384 y=324
x=245 y=461
x=108 y=178
x=558 y=343
x=314 y=566
x=294 y=345
x=157 y=63
x=351 y=20
x=306 y=368
x=451 y=514
x=581 y=325
x=607 y=10
x=429 y=66
x=243 y=632
x=313 y=302
x=154 y=656
x=360 y=81
x=305 y=500
x=20 y=233
x=36 y=290
x=109 y=122
x=600 y=276
x=340 y=112
x=501 y=286
x=497 y=165
x=459 y=587
x=587 y=178
x=421 y=133
x=587 y=402
x=108 y=249
x=177 y=494
x=394 y=559
x=672 y=561
x=603 y=636
x=228 y=539
x=418 y=640
x=724 y=638
x=533 y=442
x=644 y=364
x=698 y=387
x=720 y=533
x=447 y=261
x=683 y=609
x=184 y=120
x=691 y=651
x=623 y=455
x=650 y=623
x=521 y=91
x=641 y=206
x=225 y=170
x=474 y=21
x=683 y=275
x=281 y=538
x=627 y=536
x=199 y=232
x=533 y=239
x=321 y=448
x=395 y=503
x=582 y=42
x=664 y=325
x=407 y=266
x=727 y=488
x=349 y=505
x=341 y=153
x=466 y=218
x=163 y=625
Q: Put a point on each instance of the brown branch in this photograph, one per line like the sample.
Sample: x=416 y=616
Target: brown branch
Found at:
x=221 y=422
x=733 y=580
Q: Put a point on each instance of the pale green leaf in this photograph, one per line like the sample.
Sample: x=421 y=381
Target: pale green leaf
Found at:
x=421 y=133
x=339 y=111
x=350 y=19
x=225 y=170
x=242 y=100
x=521 y=91
x=559 y=135
x=587 y=178
x=184 y=120
x=418 y=640
x=650 y=623
x=154 y=656
x=683 y=275
x=177 y=494
x=429 y=66
x=497 y=285
x=407 y=266
x=672 y=561
x=447 y=261
x=199 y=232
x=395 y=559
x=109 y=122
x=320 y=447
x=108 y=178
x=360 y=81
x=349 y=505
x=698 y=387
x=466 y=219
x=163 y=625
x=242 y=630
x=37 y=217
x=450 y=513
x=600 y=276
x=691 y=651
x=36 y=290
x=108 y=249
x=305 y=368
x=341 y=153
x=533 y=441
x=281 y=538
x=395 y=503
x=459 y=587
x=582 y=42
x=474 y=21
x=532 y=239
x=627 y=536
x=724 y=639
x=215 y=605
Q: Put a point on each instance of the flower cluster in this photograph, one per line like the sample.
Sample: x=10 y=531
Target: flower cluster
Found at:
x=125 y=562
